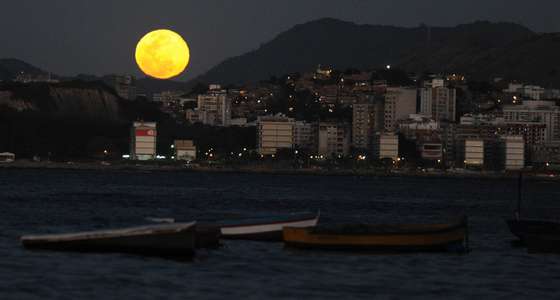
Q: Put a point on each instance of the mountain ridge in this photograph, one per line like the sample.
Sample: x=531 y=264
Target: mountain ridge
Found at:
x=340 y=44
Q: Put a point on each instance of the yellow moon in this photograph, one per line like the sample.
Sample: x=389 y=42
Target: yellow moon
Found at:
x=162 y=54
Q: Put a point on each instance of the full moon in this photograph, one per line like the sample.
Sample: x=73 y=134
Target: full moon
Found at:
x=162 y=54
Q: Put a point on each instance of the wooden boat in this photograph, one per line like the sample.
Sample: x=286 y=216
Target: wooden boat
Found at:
x=543 y=242
x=522 y=228
x=266 y=228
x=207 y=236
x=539 y=229
x=168 y=240
x=382 y=238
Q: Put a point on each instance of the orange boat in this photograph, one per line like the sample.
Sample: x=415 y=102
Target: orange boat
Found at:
x=382 y=238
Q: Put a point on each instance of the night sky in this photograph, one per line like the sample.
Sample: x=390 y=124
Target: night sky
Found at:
x=98 y=37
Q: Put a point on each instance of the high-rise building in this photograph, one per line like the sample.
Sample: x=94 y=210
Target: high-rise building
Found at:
x=536 y=112
x=305 y=136
x=143 y=140
x=213 y=108
x=367 y=118
x=400 y=102
x=333 y=139
x=274 y=133
x=438 y=101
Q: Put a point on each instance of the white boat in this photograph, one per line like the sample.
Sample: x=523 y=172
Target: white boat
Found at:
x=266 y=228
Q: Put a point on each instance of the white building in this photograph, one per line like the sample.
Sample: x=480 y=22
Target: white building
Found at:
x=143 y=140
x=213 y=108
x=274 y=133
x=536 y=112
x=386 y=146
x=438 y=101
x=474 y=153
x=514 y=152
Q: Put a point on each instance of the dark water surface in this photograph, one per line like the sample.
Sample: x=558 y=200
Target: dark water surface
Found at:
x=48 y=201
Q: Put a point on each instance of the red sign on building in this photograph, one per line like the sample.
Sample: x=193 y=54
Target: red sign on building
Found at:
x=145 y=132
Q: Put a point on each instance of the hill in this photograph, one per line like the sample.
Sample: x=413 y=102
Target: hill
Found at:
x=480 y=49
x=10 y=68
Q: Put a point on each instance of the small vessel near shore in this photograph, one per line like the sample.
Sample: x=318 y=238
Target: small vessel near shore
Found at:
x=265 y=228
x=523 y=228
x=382 y=238
x=176 y=240
x=539 y=235
x=543 y=242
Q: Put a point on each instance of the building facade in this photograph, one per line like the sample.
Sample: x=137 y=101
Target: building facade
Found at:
x=213 y=108
x=513 y=153
x=185 y=150
x=274 y=133
x=305 y=136
x=333 y=139
x=143 y=140
x=386 y=146
x=367 y=118
x=438 y=101
x=473 y=153
x=400 y=102
x=536 y=113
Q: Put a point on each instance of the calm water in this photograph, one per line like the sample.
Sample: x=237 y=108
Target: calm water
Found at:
x=45 y=201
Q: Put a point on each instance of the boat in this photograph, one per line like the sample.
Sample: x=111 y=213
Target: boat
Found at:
x=167 y=240
x=265 y=228
x=382 y=238
x=543 y=242
x=522 y=228
x=207 y=236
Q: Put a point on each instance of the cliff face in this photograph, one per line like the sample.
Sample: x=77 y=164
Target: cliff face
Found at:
x=91 y=100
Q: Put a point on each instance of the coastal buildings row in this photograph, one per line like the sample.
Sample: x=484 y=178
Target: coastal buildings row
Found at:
x=278 y=133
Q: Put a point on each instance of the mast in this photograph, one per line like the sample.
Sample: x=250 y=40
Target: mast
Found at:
x=519 y=196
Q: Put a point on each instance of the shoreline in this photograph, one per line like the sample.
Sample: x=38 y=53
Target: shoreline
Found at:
x=267 y=170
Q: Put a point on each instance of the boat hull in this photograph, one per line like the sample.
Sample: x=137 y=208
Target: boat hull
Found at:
x=523 y=228
x=543 y=243
x=439 y=238
x=177 y=240
x=271 y=231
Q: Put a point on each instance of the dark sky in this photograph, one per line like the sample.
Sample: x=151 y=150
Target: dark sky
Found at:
x=99 y=37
